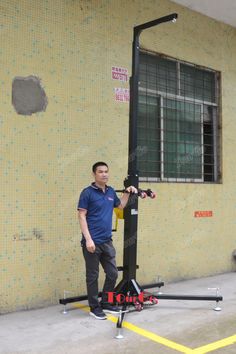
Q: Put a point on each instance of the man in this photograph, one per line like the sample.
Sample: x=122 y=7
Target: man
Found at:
x=95 y=210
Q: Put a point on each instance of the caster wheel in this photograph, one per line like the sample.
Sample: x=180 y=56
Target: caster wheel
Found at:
x=154 y=301
x=138 y=307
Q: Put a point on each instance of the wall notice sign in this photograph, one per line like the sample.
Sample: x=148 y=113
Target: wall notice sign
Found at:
x=203 y=214
x=120 y=74
x=122 y=94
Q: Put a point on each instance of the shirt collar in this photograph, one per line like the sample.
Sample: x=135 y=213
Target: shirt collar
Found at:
x=93 y=185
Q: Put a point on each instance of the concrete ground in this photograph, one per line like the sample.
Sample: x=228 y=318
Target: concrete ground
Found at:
x=172 y=326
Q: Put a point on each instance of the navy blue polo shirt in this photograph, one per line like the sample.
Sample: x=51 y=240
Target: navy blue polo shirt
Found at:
x=99 y=206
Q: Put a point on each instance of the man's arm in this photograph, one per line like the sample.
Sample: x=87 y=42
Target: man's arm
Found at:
x=85 y=231
x=125 y=197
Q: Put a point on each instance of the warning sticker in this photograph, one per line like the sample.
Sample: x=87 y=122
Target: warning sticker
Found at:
x=122 y=94
x=120 y=74
x=203 y=214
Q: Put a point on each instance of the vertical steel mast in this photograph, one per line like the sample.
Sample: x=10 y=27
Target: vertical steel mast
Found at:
x=128 y=282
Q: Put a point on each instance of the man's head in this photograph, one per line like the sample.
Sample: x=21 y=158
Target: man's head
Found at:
x=100 y=172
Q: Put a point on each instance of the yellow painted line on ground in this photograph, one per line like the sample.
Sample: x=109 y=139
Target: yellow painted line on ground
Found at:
x=216 y=345
x=154 y=337
x=83 y=307
x=147 y=334
x=168 y=343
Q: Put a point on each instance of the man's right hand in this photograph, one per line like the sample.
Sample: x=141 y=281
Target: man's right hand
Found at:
x=90 y=246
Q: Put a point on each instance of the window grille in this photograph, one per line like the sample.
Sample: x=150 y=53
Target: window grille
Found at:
x=178 y=134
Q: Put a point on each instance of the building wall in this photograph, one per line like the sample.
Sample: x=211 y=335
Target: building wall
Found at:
x=46 y=157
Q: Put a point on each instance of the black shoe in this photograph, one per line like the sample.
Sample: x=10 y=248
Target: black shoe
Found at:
x=98 y=313
x=110 y=308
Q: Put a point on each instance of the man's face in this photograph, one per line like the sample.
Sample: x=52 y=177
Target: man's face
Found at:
x=101 y=174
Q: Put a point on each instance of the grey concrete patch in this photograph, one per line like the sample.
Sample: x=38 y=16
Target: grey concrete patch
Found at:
x=28 y=95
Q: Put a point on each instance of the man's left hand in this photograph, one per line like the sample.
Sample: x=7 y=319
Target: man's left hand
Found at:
x=131 y=189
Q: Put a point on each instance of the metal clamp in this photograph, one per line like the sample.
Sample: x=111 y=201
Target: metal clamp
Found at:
x=119 y=328
x=217 y=307
x=159 y=281
x=66 y=292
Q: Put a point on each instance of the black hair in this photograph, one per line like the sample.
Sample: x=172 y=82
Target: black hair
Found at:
x=99 y=163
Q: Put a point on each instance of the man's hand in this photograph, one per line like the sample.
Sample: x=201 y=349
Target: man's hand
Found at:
x=90 y=246
x=131 y=189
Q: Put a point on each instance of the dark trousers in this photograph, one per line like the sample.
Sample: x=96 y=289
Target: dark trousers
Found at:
x=104 y=254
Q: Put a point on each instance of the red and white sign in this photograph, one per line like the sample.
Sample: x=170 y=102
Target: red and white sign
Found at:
x=120 y=74
x=203 y=213
x=122 y=94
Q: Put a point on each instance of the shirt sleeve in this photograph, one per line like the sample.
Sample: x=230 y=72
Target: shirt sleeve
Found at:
x=83 y=202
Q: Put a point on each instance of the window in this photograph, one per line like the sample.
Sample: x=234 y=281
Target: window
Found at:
x=178 y=134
